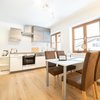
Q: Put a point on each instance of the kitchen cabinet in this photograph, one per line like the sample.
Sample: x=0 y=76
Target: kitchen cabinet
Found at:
x=38 y=34
x=47 y=35
x=40 y=61
x=4 y=63
x=15 y=63
x=41 y=34
x=15 y=34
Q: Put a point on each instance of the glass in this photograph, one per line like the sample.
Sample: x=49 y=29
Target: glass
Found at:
x=78 y=33
x=53 y=46
x=78 y=39
x=78 y=45
x=93 y=29
x=58 y=46
x=93 y=36
x=53 y=38
x=58 y=38
x=93 y=43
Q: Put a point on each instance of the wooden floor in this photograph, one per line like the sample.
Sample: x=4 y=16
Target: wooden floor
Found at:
x=30 y=85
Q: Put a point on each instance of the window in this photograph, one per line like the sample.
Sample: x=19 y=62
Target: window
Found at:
x=56 y=41
x=53 y=42
x=93 y=36
x=86 y=36
x=59 y=41
x=78 y=39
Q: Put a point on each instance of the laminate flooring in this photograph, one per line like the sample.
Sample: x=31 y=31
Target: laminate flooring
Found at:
x=31 y=85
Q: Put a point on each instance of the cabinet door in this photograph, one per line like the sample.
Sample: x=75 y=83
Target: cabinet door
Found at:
x=47 y=35
x=40 y=61
x=4 y=63
x=15 y=64
x=41 y=34
x=38 y=36
x=15 y=34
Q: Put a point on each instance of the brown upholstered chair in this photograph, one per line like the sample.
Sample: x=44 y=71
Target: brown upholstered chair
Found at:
x=70 y=67
x=52 y=68
x=97 y=76
x=86 y=79
x=80 y=71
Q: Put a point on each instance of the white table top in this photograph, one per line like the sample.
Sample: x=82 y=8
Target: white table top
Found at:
x=70 y=61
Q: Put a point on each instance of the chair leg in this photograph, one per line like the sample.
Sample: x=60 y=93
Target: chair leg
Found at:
x=94 y=94
x=96 y=90
x=54 y=81
x=84 y=95
x=62 y=86
x=58 y=80
x=57 y=77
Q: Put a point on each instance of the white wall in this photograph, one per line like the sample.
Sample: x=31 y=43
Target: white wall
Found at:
x=25 y=45
x=89 y=13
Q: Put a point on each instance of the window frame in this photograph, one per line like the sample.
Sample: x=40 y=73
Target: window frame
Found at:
x=55 y=34
x=84 y=33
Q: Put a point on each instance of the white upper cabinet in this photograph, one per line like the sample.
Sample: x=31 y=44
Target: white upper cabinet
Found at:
x=41 y=34
x=47 y=35
x=15 y=34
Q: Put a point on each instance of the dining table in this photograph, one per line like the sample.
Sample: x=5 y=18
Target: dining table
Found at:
x=64 y=63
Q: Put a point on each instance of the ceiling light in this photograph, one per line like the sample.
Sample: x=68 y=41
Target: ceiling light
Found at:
x=45 y=5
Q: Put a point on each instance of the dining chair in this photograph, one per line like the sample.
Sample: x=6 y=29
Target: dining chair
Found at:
x=80 y=71
x=97 y=77
x=86 y=79
x=52 y=68
x=61 y=53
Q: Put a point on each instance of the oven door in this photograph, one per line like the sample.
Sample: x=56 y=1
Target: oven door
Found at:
x=29 y=59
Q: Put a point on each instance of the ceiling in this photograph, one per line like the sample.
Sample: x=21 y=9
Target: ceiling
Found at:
x=35 y=12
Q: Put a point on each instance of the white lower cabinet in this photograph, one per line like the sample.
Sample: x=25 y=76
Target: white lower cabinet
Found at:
x=40 y=61
x=15 y=64
x=4 y=63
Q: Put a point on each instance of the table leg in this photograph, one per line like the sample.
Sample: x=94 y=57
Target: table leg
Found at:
x=47 y=74
x=64 y=84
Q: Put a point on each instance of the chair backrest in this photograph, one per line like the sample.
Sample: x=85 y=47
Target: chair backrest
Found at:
x=89 y=69
x=50 y=55
x=59 y=53
x=97 y=69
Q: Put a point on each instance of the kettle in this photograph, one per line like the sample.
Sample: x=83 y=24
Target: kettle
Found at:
x=5 y=53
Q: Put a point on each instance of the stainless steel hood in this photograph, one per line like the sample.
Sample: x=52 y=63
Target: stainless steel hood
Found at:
x=28 y=30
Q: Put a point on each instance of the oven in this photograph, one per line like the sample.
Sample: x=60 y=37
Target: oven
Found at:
x=28 y=59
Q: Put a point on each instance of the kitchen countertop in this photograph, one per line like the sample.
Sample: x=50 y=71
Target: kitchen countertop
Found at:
x=22 y=53
x=40 y=54
x=37 y=54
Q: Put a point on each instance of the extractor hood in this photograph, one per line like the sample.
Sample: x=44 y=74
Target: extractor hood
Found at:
x=28 y=30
